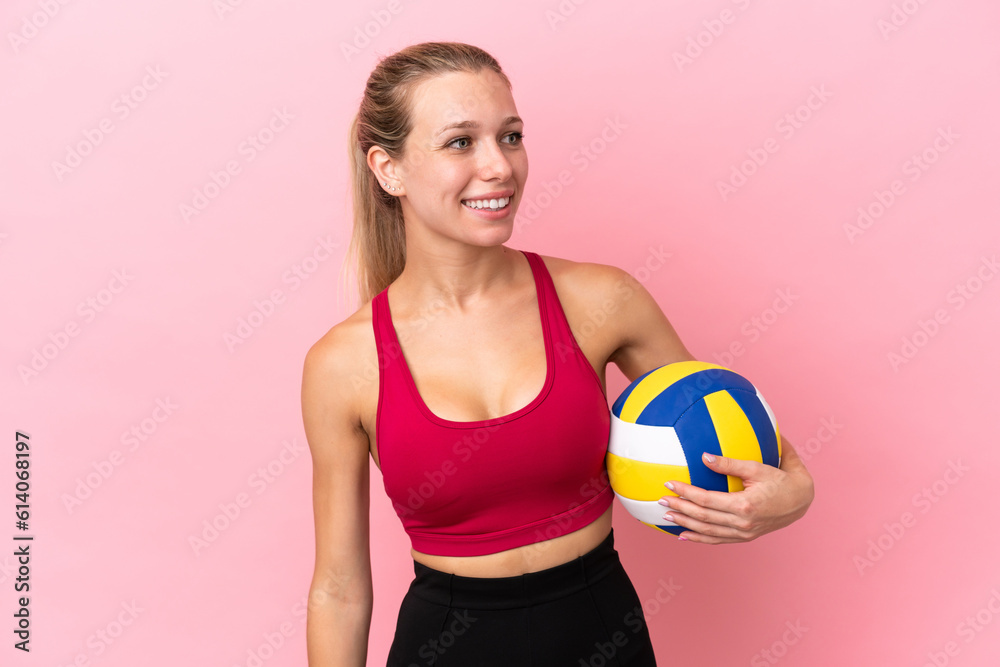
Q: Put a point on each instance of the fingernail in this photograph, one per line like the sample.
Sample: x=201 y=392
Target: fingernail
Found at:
x=669 y=518
x=669 y=486
x=682 y=538
x=664 y=502
x=709 y=457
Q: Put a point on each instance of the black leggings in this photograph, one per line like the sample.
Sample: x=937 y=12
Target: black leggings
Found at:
x=584 y=613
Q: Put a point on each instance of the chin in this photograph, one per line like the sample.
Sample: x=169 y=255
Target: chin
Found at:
x=498 y=235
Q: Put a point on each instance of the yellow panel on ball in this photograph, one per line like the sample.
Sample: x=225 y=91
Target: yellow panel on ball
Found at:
x=654 y=382
x=734 y=431
x=639 y=480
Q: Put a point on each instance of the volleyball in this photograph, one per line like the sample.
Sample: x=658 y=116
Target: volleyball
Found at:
x=663 y=422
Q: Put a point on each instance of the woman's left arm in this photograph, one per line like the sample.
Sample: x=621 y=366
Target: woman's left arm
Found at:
x=640 y=338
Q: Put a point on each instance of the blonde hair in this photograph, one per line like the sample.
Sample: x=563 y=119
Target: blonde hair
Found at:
x=378 y=242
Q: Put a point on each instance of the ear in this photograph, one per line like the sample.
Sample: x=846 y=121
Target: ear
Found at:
x=384 y=169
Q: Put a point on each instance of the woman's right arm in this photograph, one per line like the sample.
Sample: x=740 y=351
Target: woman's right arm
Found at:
x=339 y=614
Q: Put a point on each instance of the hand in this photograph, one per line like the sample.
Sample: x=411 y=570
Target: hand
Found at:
x=772 y=498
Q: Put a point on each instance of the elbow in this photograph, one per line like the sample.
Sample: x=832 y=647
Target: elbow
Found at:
x=340 y=590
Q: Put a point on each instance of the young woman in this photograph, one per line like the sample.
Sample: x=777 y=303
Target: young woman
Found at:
x=467 y=379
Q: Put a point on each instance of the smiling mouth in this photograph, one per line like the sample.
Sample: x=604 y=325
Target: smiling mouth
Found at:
x=488 y=204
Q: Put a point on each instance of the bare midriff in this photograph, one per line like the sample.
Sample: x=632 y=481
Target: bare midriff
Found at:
x=521 y=560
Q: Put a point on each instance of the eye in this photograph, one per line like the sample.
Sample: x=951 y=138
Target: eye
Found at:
x=518 y=137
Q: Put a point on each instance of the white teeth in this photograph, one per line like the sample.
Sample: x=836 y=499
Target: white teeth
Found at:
x=494 y=204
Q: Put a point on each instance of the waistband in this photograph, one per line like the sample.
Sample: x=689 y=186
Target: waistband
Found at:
x=520 y=590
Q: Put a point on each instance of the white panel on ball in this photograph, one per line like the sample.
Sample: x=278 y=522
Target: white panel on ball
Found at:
x=650 y=444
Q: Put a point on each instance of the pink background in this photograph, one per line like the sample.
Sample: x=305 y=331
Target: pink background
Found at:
x=876 y=573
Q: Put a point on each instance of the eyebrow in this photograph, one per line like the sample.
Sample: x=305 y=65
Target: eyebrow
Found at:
x=475 y=126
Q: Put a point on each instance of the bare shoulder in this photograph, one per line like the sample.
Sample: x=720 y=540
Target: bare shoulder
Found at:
x=608 y=305
x=337 y=365
x=593 y=297
x=350 y=329
x=590 y=283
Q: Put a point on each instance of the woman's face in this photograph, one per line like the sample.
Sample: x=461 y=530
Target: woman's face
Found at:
x=445 y=166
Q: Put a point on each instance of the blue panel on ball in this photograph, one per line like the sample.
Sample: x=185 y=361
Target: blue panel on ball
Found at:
x=620 y=403
x=670 y=404
x=673 y=530
x=761 y=422
x=696 y=431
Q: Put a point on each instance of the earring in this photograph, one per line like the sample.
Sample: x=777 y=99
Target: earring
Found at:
x=384 y=184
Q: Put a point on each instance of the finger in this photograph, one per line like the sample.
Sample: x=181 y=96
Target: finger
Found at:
x=678 y=506
x=742 y=468
x=691 y=536
x=710 y=530
x=722 y=501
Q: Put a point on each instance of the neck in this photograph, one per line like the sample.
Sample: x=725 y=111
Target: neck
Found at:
x=455 y=275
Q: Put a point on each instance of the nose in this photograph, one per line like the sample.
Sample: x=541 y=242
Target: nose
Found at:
x=493 y=163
